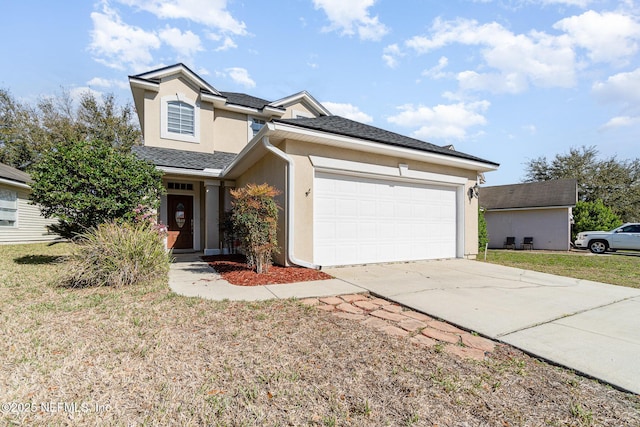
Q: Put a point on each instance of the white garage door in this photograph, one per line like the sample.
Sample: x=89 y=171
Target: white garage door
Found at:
x=363 y=220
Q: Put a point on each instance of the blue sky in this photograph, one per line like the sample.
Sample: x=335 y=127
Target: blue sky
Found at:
x=505 y=80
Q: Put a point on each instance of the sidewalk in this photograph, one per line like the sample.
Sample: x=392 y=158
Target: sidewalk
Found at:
x=192 y=277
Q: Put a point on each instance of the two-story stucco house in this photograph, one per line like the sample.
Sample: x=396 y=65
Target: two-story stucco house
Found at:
x=350 y=193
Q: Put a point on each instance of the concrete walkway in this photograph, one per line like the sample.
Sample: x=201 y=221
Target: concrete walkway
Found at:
x=192 y=277
x=589 y=327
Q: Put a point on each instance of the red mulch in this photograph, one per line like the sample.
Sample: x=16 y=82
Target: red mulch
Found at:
x=233 y=269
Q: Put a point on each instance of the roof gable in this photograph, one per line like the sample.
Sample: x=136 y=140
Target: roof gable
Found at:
x=544 y=194
x=306 y=99
x=155 y=76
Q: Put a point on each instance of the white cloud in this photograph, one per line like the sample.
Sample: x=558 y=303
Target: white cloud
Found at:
x=623 y=88
x=78 y=92
x=107 y=83
x=351 y=17
x=348 y=111
x=579 y=3
x=227 y=44
x=185 y=44
x=620 y=121
x=519 y=60
x=608 y=36
x=436 y=72
x=117 y=45
x=240 y=76
x=390 y=55
x=441 y=121
x=212 y=13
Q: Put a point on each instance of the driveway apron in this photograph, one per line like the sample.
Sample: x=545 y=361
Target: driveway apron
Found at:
x=591 y=327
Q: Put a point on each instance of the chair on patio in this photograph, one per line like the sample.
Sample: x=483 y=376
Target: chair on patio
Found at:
x=527 y=243
x=510 y=242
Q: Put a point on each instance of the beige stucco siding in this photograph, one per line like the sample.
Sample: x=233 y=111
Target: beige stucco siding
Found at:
x=231 y=131
x=298 y=109
x=31 y=225
x=550 y=228
x=153 y=118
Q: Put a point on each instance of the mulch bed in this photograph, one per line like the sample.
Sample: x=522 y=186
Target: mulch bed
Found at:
x=233 y=269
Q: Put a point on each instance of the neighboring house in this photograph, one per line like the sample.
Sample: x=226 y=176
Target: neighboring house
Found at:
x=350 y=193
x=20 y=221
x=542 y=210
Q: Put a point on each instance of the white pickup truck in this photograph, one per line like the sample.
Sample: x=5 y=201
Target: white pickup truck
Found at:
x=627 y=236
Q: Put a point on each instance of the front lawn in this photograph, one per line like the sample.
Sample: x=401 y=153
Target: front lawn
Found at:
x=142 y=355
x=614 y=269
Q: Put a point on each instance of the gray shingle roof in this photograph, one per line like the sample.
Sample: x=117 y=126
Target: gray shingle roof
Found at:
x=13 y=174
x=562 y=192
x=183 y=159
x=245 y=100
x=342 y=126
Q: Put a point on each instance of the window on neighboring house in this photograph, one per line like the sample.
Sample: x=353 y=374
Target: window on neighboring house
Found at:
x=180 y=118
x=8 y=208
x=255 y=126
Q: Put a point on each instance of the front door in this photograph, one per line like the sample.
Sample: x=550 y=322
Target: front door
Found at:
x=180 y=210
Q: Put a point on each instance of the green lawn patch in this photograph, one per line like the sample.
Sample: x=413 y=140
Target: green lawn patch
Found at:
x=614 y=269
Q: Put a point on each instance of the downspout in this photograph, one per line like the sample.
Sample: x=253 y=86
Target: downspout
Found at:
x=291 y=258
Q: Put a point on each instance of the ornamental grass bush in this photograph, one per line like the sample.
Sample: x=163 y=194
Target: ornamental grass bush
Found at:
x=119 y=254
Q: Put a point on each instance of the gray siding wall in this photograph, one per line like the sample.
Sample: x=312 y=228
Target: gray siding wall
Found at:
x=550 y=228
x=31 y=226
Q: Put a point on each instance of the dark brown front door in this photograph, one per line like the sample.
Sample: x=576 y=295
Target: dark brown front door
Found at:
x=180 y=209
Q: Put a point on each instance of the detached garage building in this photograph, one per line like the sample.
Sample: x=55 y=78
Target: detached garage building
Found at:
x=542 y=210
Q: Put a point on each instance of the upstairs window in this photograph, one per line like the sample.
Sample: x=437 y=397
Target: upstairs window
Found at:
x=255 y=125
x=8 y=208
x=180 y=118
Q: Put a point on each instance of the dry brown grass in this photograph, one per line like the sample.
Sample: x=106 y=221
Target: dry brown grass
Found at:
x=145 y=356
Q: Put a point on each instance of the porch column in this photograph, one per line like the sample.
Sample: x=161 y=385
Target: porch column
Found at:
x=226 y=205
x=212 y=217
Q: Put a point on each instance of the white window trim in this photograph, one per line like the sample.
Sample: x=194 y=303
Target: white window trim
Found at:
x=10 y=205
x=250 y=120
x=164 y=114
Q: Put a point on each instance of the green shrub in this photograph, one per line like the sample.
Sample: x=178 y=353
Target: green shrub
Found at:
x=255 y=220
x=119 y=254
x=483 y=235
x=589 y=216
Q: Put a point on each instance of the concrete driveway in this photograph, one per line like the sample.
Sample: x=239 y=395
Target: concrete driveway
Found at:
x=593 y=328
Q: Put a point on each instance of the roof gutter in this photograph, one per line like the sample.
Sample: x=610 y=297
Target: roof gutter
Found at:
x=211 y=173
x=14 y=183
x=290 y=184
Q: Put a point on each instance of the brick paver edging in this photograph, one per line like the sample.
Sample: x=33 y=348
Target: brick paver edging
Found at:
x=397 y=320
